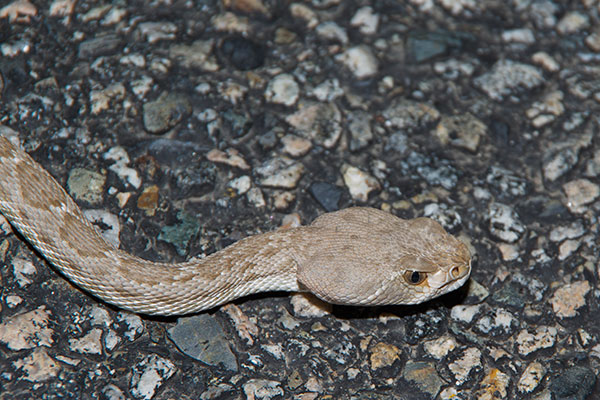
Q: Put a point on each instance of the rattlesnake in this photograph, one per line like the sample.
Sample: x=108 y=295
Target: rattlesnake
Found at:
x=356 y=256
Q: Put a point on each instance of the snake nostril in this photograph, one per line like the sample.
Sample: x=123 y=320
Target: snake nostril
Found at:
x=455 y=271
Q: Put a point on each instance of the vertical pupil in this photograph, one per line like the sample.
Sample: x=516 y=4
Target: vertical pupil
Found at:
x=415 y=277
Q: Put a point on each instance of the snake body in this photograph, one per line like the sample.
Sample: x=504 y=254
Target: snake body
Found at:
x=356 y=256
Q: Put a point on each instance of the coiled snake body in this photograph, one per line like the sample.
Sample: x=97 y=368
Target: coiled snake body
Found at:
x=357 y=256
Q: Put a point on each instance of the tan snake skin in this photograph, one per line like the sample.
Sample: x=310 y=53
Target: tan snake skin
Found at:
x=357 y=256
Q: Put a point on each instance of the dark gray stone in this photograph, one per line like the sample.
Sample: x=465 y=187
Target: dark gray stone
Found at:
x=576 y=383
x=202 y=338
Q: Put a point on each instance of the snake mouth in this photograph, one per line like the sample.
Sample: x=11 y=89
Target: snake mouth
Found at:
x=447 y=281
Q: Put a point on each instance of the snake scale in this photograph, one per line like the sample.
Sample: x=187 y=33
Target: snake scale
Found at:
x=356 y=256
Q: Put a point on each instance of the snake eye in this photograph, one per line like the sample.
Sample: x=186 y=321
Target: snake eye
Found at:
x=414 y=277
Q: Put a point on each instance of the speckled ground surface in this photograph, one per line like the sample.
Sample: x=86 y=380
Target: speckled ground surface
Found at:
x=187 y=125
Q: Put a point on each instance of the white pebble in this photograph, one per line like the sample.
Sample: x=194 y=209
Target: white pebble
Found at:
x=282 y=89
x=360 y=61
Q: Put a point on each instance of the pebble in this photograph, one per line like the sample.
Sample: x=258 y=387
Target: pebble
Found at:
x=180 y=234
x=453 y=69
x=282 y=89
x=423 y=46
x=230 y=22
x=103 y=45
x=28 y=330
x=504 y=223
x=320 y=122
x=432 y=170
x=463 y=131
x=255 y=197
x=86 y=185
x=108 y=224
x=398 y=142
x=359 y=183
x=464 y=313
x=13 y=301
x=593 y=41
x=409 y=115
x=230 y=157
x=531 y=377
x=303 y=12
x=234 y=93
x=246 y=327
x=506 y=182
x=165 y=112
x=326 y=194
x=240 y=185
x=592 y=167
x=457 y=7
x=248 y=6
x=101 y=99
x=424 y=376
x=198 y=55
x=466 y=365
x=202 y=338
x=476 y=292
x=572 y=22
x=494 y=386
x=135 y=325
x=121 y=159
x=562 y=156
x=383 y=355
x=242 y=53
x=91 y=343
x=149 y=375
x=366 y=20
x=497 y=322
x=360 y=61
x=295 y=146
x=359 y=127
x=544 y=112
x=283 y=200
x=114 y=16
x=96 y=13
x=112 y=392
x=572 y=231
x=522 y=35
x=543 y=338
x=332 y=31
x=575 y=383
x=507 y=77
x=19 y=11
x=148 y=200
x=23 y=270
x=567 y=248
x=155 y=31
x=448 y=217
x=510 y=252
x=262 y=389
x=568 y=298
x=38 y=366
x=545 y=61
x=440 y=347
x=141 y=87
x=451 y=393
x=111 y=340
x=544 y=13
x=327 y=91
x=308 y=306
x=580 y=193
x=280 y=172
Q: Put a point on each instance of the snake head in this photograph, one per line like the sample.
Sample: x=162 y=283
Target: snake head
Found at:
x=371 y=257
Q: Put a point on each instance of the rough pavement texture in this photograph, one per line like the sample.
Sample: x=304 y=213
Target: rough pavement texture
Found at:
x=184 y=126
